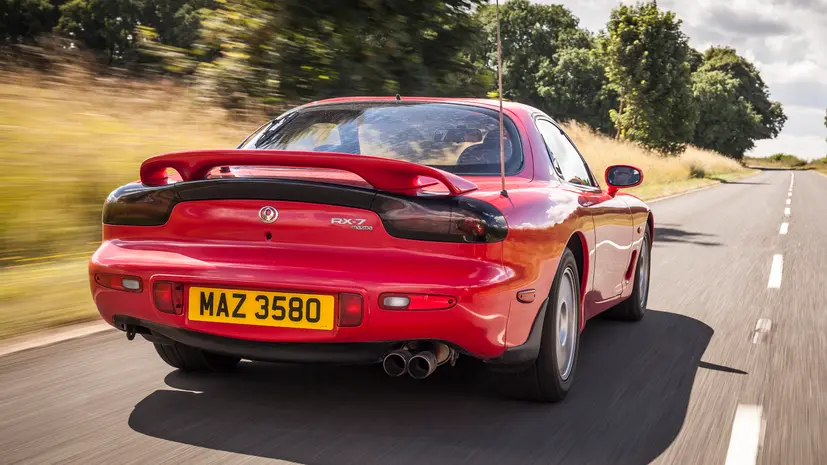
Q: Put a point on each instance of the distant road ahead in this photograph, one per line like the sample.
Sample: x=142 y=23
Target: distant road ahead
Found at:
x=692 y=383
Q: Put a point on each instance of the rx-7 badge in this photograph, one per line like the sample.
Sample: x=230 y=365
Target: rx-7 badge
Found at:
x=354 y=223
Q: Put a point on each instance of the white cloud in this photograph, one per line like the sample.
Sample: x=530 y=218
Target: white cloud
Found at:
x=787 y=40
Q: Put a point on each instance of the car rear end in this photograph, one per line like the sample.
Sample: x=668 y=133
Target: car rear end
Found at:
x=314 y=256
x=288 y=261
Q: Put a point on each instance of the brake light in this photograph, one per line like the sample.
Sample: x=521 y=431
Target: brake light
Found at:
x=442 y=219
x=350 y=309
x=119 y=282
x=416 y=302
x=168 y=297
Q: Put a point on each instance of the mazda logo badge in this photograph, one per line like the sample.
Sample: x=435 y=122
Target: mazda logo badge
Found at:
x=268 y=214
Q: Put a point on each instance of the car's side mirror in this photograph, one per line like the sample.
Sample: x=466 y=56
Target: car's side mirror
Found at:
x=622 y=176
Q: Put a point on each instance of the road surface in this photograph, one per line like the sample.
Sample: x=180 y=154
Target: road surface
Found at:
x=694 y=382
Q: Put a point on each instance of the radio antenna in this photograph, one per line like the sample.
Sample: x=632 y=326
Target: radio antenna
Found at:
x=504 y=193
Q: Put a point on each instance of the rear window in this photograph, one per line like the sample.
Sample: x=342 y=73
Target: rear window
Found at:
x=457 y=138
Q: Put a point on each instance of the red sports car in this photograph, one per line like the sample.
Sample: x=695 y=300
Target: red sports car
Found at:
x=376 y=230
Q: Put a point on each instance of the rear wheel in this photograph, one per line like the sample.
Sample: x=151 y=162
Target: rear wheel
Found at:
x=550 y=376
x=187 y=358
x=633 y=308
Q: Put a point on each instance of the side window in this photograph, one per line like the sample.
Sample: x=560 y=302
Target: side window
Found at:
x=569 y=162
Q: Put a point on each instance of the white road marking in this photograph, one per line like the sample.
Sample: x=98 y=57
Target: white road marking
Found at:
x=762 y=330
x=788 y=201
x=775 y=272
x=790 y=194
x=784 y=228
x=787 y=212
x=747 y=432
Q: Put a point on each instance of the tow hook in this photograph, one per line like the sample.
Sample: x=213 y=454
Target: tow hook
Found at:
x=130 y=332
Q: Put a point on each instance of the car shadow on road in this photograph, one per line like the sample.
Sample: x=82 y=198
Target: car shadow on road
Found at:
x=725 y=181
x=666 y=233
x=627 y=406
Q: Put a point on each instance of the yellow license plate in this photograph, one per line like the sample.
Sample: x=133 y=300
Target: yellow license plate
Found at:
x=260 y=308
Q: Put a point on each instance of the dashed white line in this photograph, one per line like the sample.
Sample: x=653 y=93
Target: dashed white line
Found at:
x=787 y=212
x=747 y=428
x=784 y=228
x=788 y=201
x=762 y=330
x=776 y=270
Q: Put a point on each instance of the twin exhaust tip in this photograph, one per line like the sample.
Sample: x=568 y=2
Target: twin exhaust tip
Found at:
x=420 y=365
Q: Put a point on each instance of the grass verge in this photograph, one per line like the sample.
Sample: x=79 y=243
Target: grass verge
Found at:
x=40 y=296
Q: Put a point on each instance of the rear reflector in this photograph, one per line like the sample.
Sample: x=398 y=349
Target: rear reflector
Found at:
x=119 y=282
x=168 y=297
x=416 y=302
x=350 y=310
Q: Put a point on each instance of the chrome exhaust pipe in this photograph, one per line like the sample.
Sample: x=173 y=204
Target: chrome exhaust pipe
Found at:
x=422 y=365
x=396 y=363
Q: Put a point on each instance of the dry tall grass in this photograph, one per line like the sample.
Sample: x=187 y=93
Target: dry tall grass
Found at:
x=67 y=141
x=663 y=175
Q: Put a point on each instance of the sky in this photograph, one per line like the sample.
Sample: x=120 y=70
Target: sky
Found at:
x=785 y=39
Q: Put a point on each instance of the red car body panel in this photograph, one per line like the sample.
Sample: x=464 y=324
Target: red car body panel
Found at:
x=222 y=243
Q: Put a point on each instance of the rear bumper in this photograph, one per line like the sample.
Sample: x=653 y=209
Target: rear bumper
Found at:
x=476 y=325
x=298 y=352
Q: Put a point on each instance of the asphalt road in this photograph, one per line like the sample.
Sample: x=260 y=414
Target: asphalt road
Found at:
x=665 y=390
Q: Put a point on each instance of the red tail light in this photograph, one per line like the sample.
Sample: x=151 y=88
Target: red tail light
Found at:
x=350 y=310
x=169 y=297
x=119 y=282
x=416 y=302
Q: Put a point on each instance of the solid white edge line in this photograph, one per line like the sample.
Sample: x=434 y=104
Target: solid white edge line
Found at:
x=746 y=435
x=776 y=271
x=786 y=212
x=784 y=228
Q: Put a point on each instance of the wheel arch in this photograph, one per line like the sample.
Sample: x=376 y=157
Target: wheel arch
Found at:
x=578 y=246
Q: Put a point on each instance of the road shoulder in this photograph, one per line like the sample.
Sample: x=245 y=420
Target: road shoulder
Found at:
x=51 y=336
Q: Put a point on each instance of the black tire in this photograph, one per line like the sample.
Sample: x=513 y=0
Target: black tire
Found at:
x=633 y=308
x=541 y=381
x=187 y=358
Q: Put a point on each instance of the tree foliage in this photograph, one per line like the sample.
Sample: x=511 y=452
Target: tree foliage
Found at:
x=638 y=80
x=750 y=86
x=532 y=34
x=727 y=120
x=21 y=20
x=647 y=66
x=296 y=50
x=112 y=25
x=576 y=88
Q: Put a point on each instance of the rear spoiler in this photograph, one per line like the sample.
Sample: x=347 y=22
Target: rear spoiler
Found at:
x=384 y=174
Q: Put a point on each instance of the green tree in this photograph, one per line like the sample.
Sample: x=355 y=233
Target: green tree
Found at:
x=647 y=66
x=532 y=35
x=576 y=88
x=21 y=20
x=298 y=50
x=111 y=26
x=750 y=86
x=103 y=25
x=727 y=120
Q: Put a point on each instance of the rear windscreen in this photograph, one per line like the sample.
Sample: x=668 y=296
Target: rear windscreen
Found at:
x=457 y=138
